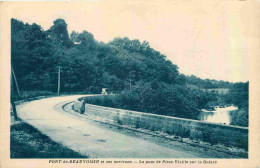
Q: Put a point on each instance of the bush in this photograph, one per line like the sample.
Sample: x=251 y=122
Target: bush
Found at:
x=240 y=118
x=161 y=98
x=31 y=94
x=157 y=98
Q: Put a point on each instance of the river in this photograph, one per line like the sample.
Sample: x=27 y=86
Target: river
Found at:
x=219 y=115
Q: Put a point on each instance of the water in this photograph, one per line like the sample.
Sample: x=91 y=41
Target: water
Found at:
x=219 y=115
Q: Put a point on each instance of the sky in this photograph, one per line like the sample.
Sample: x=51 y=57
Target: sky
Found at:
x=208 y=39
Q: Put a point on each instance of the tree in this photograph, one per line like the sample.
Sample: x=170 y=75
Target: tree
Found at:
x=85 y=40
x=59 y=33
x=239 y=95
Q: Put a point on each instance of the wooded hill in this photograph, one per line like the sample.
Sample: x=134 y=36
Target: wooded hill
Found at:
x=122 y=65
x=86 y=64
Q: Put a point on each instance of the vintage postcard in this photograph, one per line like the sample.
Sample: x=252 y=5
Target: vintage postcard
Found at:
x=105 y=83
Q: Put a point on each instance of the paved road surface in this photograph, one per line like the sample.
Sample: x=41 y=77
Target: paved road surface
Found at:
x=86 y=137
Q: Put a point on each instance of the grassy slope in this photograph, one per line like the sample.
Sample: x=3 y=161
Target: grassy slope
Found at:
x=28 y=142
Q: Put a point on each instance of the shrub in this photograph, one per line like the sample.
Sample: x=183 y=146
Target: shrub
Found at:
x=158 y=98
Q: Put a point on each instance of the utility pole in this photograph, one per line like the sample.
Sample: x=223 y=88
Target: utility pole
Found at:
x=17 y=88
x=12 y=94
x=131 y=75
x=130 y=84
x=59 y=81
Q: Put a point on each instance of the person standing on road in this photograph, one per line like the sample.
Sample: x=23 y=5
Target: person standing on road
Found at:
x=82 y=109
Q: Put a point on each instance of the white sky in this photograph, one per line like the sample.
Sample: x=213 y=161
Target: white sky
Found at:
x=209 y=39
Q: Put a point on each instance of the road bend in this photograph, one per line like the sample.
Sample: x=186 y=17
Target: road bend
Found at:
x=88 y=138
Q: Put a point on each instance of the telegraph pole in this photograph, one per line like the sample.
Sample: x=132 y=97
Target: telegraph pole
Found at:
x=130 y=84
x=17 y=88
x=12 y=94
x=131 y=75
x=59 y=81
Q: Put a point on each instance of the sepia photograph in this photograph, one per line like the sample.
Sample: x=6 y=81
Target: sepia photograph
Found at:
x=130 y=79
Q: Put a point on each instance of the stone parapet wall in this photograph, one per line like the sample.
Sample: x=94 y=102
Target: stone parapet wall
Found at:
x=186 y=128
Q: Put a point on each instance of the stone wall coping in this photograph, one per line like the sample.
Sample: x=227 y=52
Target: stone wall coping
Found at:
x=170 y=117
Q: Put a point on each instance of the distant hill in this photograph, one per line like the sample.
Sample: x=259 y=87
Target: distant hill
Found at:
x=217 y=90
x=207 y=83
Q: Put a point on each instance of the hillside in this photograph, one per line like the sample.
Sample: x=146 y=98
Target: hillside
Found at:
x=142 y=76
x=86 y=65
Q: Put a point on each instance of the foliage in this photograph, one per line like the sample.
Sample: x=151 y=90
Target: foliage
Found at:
x=26 y=95
x=238 y=95
x=240 y=118
x=86 y=65
x=207 y=83
x=143 y=77
x=157 y=98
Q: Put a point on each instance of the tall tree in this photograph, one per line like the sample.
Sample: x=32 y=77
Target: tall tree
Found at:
x=59 y=33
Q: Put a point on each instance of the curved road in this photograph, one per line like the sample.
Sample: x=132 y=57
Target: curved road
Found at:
x=85 y=136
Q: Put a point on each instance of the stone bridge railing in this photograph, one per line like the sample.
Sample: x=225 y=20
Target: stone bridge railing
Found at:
x=186 y=128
